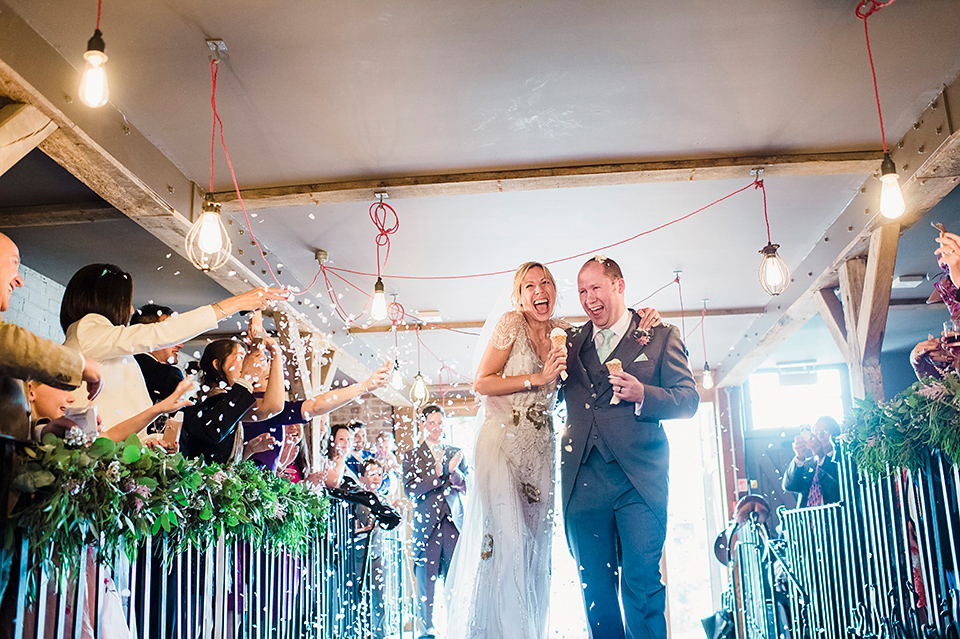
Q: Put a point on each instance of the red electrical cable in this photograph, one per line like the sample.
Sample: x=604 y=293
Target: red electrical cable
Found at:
x=99 y=9
x=378 y=215
x=758 y=184
x=703 y=333
x=683 y=320
x=559 y=260
x=865 y=9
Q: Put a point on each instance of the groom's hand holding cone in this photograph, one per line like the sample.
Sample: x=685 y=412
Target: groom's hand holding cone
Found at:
x=626 y=387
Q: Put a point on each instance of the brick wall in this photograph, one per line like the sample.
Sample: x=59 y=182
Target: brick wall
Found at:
x=36 y=305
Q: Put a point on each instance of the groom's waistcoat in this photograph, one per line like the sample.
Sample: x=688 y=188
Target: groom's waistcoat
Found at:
x=658 y=360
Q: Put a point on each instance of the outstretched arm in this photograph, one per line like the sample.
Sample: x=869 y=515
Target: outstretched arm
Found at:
x=331 y=400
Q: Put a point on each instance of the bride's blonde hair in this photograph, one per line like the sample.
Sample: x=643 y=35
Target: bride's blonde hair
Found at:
x=521 y=273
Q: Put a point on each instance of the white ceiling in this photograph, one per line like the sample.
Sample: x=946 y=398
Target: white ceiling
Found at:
x=324 y=91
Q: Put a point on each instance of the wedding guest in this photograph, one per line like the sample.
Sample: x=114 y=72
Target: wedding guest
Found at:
x=369 y=545
x=434 y=477
x=96 y=308
x=300 y=411
x=212 y=427
x=341 y=449
x=934 y=357
x=384 y=453
x=159 y=367
x=359 y=453
x=24 y=356
x=813 y=472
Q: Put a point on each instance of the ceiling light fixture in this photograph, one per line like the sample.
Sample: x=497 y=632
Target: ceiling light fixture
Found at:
x=207 y=243
x=892 y=205
x=94 y=91
x=379 y=214
x=774 y=274
x=378 y=310
x=419 y=393
x=707 y=380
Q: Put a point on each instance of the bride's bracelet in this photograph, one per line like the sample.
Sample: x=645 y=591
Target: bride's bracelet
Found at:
x=527 y=384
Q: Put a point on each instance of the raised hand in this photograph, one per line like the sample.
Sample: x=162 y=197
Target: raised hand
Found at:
x=379 y=378
x=253 y=300
x=649 y=317
x=455 y=461
x=259 y=444
x=626 y=387
x=556 y=362
x=176 y=400
x=949 y=254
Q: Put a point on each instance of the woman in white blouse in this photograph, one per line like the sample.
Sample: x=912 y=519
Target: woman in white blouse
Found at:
x=96 y=308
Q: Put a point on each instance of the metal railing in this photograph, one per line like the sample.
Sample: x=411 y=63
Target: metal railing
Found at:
x=883 y=563
x=227 y=591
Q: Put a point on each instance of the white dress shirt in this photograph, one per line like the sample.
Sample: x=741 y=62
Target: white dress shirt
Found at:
x=619 y=329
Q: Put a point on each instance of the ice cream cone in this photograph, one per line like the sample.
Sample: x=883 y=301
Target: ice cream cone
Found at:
x=614 y=366
x=558 y=337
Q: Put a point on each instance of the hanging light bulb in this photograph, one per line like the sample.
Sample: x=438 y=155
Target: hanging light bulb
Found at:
x=892 y=205
x=419 y=392
x=207 y=243
x=774 y=274
x=707 y=376
x=379 y=309
x=397 y=379
x=94 y=91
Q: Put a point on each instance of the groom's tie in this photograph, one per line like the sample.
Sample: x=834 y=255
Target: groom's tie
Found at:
x=606 y=344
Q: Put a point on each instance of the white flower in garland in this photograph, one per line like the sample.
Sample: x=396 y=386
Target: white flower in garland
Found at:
x=113 y=471
x=76 y=437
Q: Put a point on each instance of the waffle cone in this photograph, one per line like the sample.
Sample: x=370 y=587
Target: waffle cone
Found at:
x=614 y=366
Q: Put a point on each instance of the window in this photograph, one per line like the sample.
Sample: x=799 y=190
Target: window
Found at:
x=786 y=398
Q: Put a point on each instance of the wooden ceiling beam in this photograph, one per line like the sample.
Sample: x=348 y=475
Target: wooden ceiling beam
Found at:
x=121 y=165
x=22 y=128
x=928 y=161
x=409 y=326
x=57 y=215
x=494 y=181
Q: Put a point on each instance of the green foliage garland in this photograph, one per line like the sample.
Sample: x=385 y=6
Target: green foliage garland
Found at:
x=115 y=495
x=901 y=432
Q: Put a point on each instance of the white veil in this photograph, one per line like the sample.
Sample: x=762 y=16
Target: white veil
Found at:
x=461 y=579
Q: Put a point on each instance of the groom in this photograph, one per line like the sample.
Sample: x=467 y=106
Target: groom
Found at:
x=614 y=456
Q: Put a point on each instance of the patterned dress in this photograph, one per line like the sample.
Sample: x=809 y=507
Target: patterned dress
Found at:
x=502 y=563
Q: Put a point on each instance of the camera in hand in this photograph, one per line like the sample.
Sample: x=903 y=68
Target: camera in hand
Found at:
x=351 y=491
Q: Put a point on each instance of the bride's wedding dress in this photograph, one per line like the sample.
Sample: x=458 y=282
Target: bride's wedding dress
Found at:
x=501 y=566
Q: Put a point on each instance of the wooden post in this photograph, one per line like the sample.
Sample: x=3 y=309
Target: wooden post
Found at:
x=858 y=320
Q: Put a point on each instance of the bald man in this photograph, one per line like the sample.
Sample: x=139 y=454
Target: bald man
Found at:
x=24 y=356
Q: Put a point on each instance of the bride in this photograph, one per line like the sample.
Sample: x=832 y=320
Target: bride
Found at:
x=501 y=566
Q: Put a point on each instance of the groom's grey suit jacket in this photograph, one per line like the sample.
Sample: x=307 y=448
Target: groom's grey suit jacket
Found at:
x=637 y=442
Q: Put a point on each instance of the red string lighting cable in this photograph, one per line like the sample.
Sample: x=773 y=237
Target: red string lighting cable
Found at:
x=865 y=9
x=558 y=260
x=218 y=124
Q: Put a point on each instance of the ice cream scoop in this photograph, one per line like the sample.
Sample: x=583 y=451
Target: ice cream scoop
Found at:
x=558 y=337
x=614 y=366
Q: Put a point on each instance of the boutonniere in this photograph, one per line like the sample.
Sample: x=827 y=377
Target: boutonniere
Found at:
x=641 y=335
